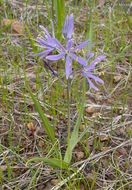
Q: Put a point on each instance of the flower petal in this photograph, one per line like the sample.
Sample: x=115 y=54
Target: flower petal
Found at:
x=55 y=57
x=78 y=59
x=44 y=29
x=46 y=53
x=64 y=28
x=59 y=44
x=95 y=62
x=68 y=66
x=94 y=77
x=69 y=45
x=89 y=53
x=90 y=83
x=80 y=46
x=44 y=43
x=43 y=52
x=98 y=59
x=70 y=26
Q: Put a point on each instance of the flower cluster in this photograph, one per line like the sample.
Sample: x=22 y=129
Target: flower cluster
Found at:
x=51 y=43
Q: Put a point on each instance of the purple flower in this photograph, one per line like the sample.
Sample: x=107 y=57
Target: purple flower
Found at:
x=45 y=41
x=67 y=54
x=68 y=26
x=87 y=71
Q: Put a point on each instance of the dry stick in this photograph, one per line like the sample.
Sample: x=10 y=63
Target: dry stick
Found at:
x=85 y=162
x=106 y=107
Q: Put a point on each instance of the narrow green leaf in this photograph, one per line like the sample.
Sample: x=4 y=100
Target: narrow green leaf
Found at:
x=85 y=131
x=48 y=128
x=62 y=5
x=45 y=121
x=59 y=6
x=76 y=128
x=74 y=137
x=54 y=162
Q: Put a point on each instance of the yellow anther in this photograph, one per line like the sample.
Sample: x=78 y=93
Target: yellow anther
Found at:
x=101 y=73
x=77 y=50
x=98 y=58
x=39 y=35
x=63 y=59
x=102 y=65
x=71 y=48
x=95 y=63
x=83 y=51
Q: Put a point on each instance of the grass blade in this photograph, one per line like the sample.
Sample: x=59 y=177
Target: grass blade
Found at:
x=60 y=14
x=54 y=162
x=45 y=121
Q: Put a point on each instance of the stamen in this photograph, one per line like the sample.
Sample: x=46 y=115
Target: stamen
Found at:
x=66 y=52
x=95 y=63
x=83 y=51
x=101 y=73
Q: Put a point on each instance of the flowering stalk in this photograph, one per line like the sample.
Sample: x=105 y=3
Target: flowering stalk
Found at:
x=68 y=109
x=86 y=69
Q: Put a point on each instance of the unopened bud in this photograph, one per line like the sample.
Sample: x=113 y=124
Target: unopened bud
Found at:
x=55 y=73
x=70 y=77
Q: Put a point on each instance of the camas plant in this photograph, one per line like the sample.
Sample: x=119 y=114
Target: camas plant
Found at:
x=84 y=68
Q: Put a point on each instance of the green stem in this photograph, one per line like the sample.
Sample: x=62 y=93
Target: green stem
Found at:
x=68 y=107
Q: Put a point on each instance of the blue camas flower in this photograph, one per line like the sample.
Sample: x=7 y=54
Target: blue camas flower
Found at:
x=87 y=71
x=45 y=41
x=67 y=54
x=51 y=43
